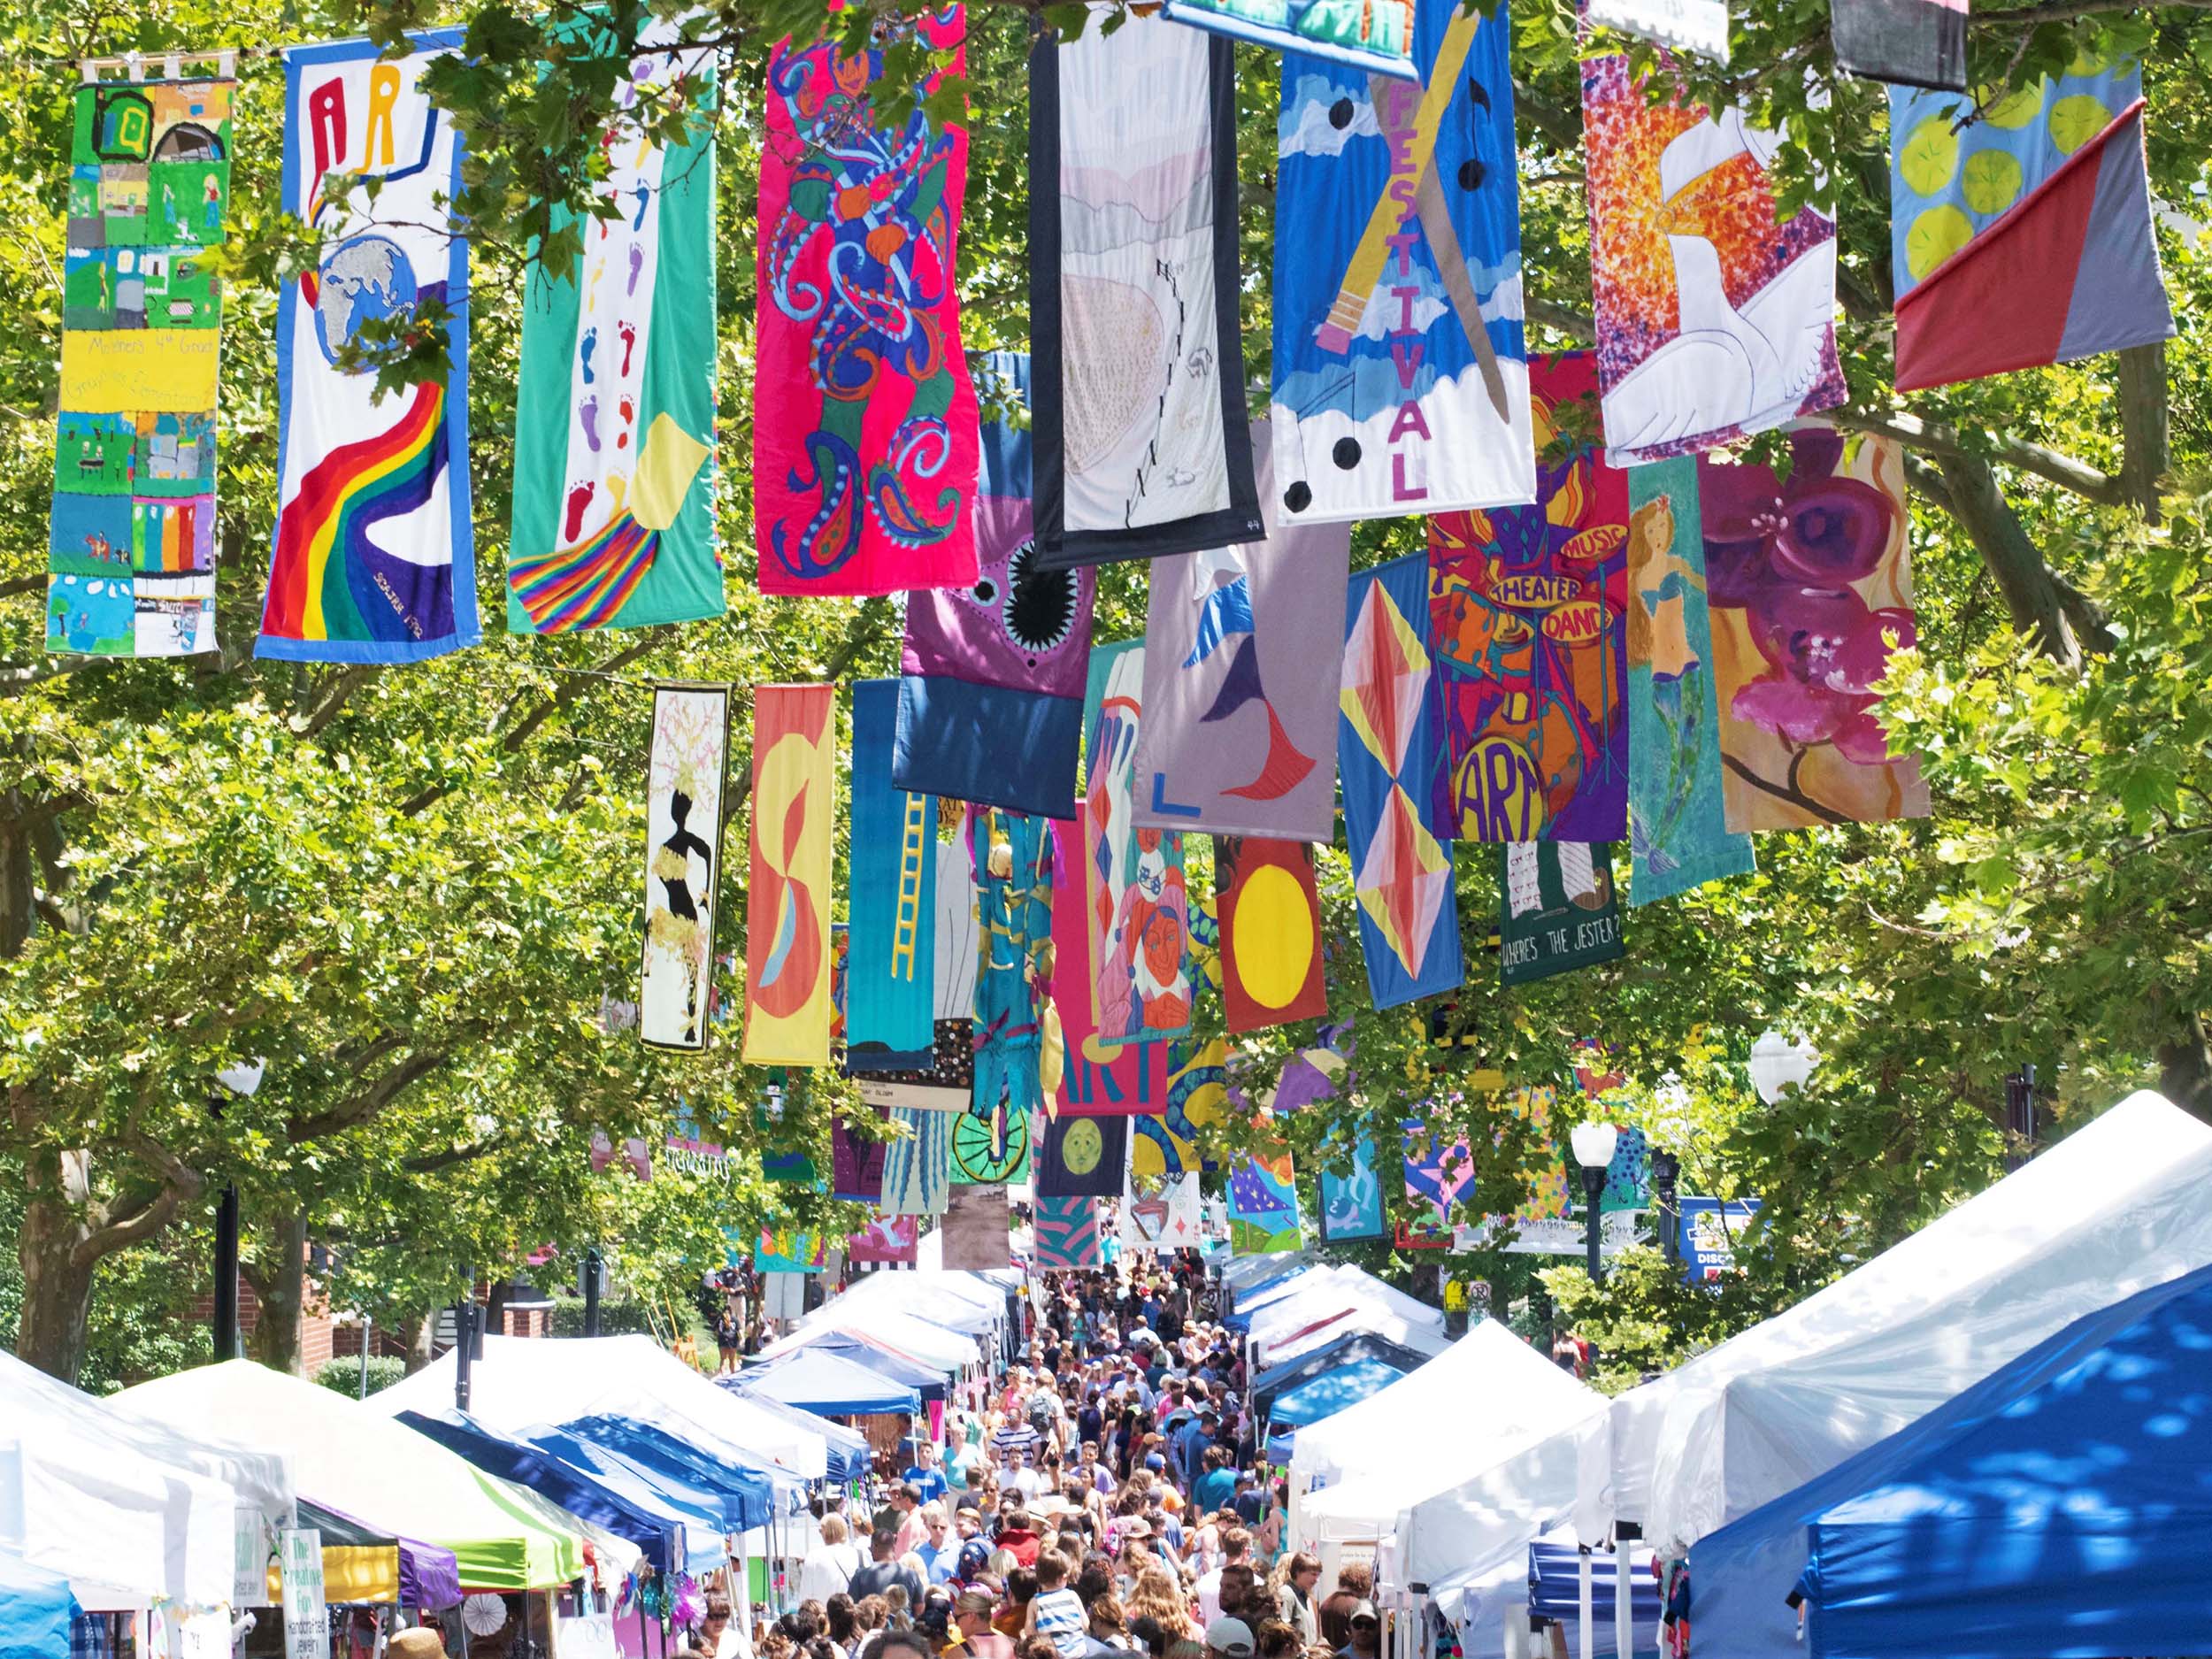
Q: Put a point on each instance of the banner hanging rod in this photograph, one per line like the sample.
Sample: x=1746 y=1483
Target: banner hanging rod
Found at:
x=92 y=70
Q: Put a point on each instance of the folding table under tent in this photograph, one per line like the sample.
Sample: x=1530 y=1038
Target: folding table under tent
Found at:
x=1321 y=1397
x=37 y=1609
x=826 y=1384
x=2056 y=1510
x=1545 y=1582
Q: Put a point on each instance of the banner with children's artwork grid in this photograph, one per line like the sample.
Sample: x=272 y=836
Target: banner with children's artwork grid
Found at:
x=131 y=557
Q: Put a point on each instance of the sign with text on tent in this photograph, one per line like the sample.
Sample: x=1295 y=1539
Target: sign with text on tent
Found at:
x=306 y=1620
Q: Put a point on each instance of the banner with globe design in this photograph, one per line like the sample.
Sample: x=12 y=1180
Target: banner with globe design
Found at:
x=374 y=559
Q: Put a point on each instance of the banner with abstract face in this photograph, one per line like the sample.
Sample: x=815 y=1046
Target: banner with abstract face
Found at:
x=1263 y=1204
x=1528 y=609
x=916 y=1162
x=1139 y=907
x=1098 y=1079
x=864 y=418
x=131 y=555
x=1064 y=1235
x=1238 y=734
x=1351 y=1202
x=1012 y=860
x=1270 y=932
x=1390 y=752
x=890 y=894
x=1559 y=910
x=375 y=555
x=1376 y=39
x=1400 y=377
x=614 y=423
x=992 y=673
x=788 y=901
x=1712 y=323
x=1162 y=1215
x=1083 y=1155
x=974 y=1233
x=683 y=862
x=887 y=1241
x=1141 y=441
x=1810 y=585
x=1677 y=819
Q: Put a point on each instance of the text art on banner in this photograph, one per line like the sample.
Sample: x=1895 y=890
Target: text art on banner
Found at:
x=788 y=902
x=375 y=557
x=1161 y=1213
x=1270 y=932
x=1263 y=1203
x=1712 y=322
x=2023 y=237
x=1351 y=1202
x=1558 y=910
x=1139 y=907
x=1528 y=612
x=1239 y=731
x=1097 y=1078
x=992 y=673
x=1143 y=446
x=1400 y=377
x=1811 y=587
x=974 y=1229
x=1377 y=39
x=1390 y=751
x=614 y=429
x=1678 y=817
x=890 y=986
x=689 y=756
x=1064 y=1235
x=1083 y=1155
x=864 y=418
x=131 y=555
x=944 y=1080
x=916 y=1162
x=886 y=1241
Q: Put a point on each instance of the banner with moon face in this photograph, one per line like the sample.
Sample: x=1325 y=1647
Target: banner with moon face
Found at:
x=787 y=921
x=1270 y=932
x=683 y=862
x=1083 y=1157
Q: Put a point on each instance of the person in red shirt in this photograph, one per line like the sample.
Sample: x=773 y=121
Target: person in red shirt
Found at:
x=1016 y=1538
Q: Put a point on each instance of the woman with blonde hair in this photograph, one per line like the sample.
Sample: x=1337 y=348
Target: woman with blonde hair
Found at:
x=1158 y=1596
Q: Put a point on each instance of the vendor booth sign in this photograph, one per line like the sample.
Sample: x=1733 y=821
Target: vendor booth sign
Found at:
x=1562 y=1236
x=1710 y=1231
x=306 y=1624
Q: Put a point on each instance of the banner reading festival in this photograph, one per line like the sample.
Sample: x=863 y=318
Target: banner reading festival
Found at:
x=132 y=556
x=614 y=429
x=374 y=559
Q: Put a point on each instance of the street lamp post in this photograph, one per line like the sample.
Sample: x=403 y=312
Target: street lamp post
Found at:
x=1779 y=1063
x=1666 y=1177
x=240 y=1080
x=1593 y=1146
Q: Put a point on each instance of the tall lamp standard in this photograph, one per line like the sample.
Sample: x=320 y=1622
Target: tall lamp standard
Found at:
x=1593 y=1146
x=1779 y=1063
x=240 y=1080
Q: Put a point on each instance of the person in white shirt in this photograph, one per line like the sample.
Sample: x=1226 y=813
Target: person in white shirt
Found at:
x=1022 y=1478
x=1236 y=1551
x=829 y=1569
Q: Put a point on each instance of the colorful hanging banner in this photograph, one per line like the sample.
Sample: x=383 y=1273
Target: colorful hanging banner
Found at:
x=1390 y=753
x=1162 y=1215
x=1012 y=859
x=1263 y=1204
x=1140 y=909
x=1376 y=40
x=990 y=1146
x=890 y=892
x=1678 y=818
x=992 y=674
x=1811 y=587
x=1097 y=1078
x=683 y=862
x=1401 y=376
x=1906 y=43
x=1064 y=1235
x=2023 y=238
x=787 y=902
x=863 y=415
x=1270 y=932
x=944 y=1081
x=1239 y=734
x=1351 y=1202
x=1558 y=910
x=1712 y=321
x=1439 y=1173
x=131 y=551
x=1083 y=1156
x=956 y=923
x=856 y=1162
x=614 y=423
x=1528 y=612
x=973 y=1234
x=887 y=1241
x=788 y=1250
x=375 y=554
x=916 y=1162
x=1694 y=25
x=1143 y=445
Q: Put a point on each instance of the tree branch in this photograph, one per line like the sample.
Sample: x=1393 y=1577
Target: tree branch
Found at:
x=1934 y=437
x=13 y=681
x=2049 y=611
x=330 y=696
x=2143 y=429
x=143 y=1218
x=365 y=1105
x=429 y=1162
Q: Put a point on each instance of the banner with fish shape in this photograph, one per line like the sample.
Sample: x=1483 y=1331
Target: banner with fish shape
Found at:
x=375 y=554
x=1352 y=1202
x=787 y=900
x=688 y=758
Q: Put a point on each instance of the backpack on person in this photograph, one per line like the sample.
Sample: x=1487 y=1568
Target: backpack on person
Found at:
x=1039 y=1411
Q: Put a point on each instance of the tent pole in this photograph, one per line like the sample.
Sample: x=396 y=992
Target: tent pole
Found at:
x=1585 y=1627
x=1624 y=1591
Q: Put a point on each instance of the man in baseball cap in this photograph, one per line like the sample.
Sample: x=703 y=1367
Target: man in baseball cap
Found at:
x=1230 y=1638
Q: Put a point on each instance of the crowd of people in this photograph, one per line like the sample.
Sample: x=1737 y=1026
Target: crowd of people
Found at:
x=1104 y=1503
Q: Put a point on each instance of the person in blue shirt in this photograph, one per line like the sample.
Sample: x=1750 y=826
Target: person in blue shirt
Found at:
x=1217 y=1485
x=925 y=1476
x=1190 y=1443
x=939 y=1552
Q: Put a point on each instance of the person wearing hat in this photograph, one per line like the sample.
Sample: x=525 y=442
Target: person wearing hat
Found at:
x=1229 y=1639
x=1366 y=1626
x=417 y=1641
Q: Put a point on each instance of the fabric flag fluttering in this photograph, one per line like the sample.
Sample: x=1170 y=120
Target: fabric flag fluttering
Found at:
x=787 y=900
x=375 y=555
x=614 y=424
x=689 y=755
x=1377 y=38
x=943 y=1079
x=1390 y=751
x=1140 y=905
x=916 y=1162
x=1677 y=816
x=1083 y=1156
x=2023 y=238
x=131 y=554
x=1064 y=1235
x=1239 y=731
x=1351 y=1202
x=1141 y=441
x=1906 y=42
x=891 y=898
x=1270 y=932
x=1097 y=1080
x=1528 y=610
x=1400 y=378
x=855 y=1164
x=974 y=1236
x=1162 y=1215
x=1263 y=1203
x=1013 y=857
x=1558 y=910
x=1809 y=584
x=887 y=1241
x=864 y=415
x=1712 y=322
x=992 y=673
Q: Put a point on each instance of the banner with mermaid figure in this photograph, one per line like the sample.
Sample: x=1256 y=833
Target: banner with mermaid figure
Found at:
x=375 y=558
x=864 y=415
x=614 y=429
x=683 y=862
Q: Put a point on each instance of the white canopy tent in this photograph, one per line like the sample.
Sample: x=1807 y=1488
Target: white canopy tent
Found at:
x=959 y=1303
x=522 y=1381
x=903 y=1332
x=1242 y=1272
x=1336 y=1313
x=1424 y=1339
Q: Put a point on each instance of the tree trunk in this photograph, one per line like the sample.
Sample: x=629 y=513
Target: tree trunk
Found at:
x=422 y=1341
x=2185 y=1069
x=56 y=1282
x=279 y=1278
x=2057 y=619
x=2143 y=425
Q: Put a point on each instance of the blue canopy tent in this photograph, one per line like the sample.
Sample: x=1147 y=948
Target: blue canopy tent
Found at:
x=1340 y=1351
x=713 y=1504
x=1325 y=1395
x=847 y=1449
x=1253 y=1298
x=925 y=1380
x=36 y=1610
x=750 y=1494
x=1554 y=1591
x=614 y=1498
x=1279 y=1447
x=2057 y=1510
x=828 y=1385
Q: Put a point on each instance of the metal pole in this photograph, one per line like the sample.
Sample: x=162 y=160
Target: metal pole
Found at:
x=1592 y=1189
x=227 y=1274
x=1625 y=1535
x=464 y=1314
x=1587 y=1625
x=2020 y=1117
x=1666 y=1174
x=368 y=1329
x=591 y=1291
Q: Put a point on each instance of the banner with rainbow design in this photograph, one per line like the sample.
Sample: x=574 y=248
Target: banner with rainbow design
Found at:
x=374 y=559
